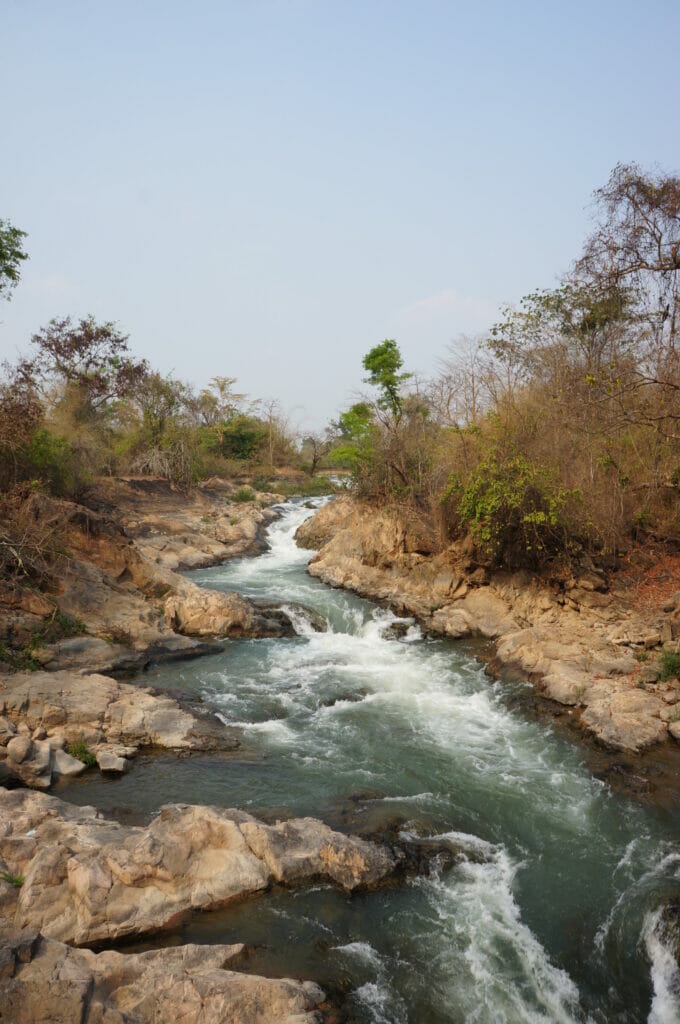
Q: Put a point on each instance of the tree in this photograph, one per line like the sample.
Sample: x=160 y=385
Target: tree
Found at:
x=87 y=357
x=11 y=257
x=160 y=400
x=383 y=363
x=218 y=403
x=316 y=447
x=636 y=246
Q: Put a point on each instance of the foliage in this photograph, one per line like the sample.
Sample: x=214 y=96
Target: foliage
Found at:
x=243 y=494
x=12 y=256
x=89 y=357
x=383 y=363
x=305 y=487
x=516 y=511
x=354 y=431
x=16 y=880
x=52 y=460
x=80 y=751
x=670 y=665
x=242 y=438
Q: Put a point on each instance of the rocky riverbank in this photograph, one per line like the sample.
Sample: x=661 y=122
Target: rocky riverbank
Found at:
x=45 y=980
x=115 y=603
x=115 y=599
x=585 y=642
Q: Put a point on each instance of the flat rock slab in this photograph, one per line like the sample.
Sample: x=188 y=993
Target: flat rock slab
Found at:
x=88 y=879
x=42 y=712
x=44 y=980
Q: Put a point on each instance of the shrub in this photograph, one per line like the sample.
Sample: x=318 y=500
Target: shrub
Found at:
x=670 y=665
x=243 y=494
x=52 y=460
x=516 y=511
x=16 y=880
x=81 y=752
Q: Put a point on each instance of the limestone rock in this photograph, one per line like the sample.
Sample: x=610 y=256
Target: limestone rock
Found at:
x=196 y=611
x=111 y=763
x=305 y=848
x=88 y=879
x=626 y=719
x=44 y=980
x=95 y=710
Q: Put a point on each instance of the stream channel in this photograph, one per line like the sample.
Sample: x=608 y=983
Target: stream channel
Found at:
x=552 y=915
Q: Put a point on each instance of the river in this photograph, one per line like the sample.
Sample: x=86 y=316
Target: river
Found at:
x=550 y=915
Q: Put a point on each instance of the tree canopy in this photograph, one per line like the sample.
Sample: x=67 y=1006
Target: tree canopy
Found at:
x=12 y=255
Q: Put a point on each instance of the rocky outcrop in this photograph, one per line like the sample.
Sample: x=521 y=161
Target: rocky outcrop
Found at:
x=198 y=612
x=176 y=530
x=45 y=980
x=583 y=645
x=119 y=580
x=41 y=713
x=86 y=879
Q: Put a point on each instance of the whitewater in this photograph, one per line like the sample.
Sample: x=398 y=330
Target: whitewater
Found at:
x=550 y=913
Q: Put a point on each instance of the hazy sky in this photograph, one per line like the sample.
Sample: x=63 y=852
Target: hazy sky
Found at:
x=266 y=189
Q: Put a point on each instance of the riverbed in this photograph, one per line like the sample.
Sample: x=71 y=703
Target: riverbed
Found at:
x=548 y=913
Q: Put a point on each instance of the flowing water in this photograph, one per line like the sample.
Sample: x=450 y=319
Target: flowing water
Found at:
x=551 y=915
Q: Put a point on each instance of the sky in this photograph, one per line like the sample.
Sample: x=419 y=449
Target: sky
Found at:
x=265 y=189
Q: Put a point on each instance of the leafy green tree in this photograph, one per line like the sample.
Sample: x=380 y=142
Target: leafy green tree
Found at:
x=383 y=364
x=11 y=256
x=355 y=429
x=241 y=438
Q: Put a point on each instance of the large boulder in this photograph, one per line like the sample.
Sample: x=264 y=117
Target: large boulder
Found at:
x=88 y=879
x=42 y=980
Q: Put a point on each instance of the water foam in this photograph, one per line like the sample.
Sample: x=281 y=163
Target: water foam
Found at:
x=665 y=972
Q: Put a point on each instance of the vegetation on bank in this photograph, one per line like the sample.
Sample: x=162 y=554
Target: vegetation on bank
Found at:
x=81 y=752
x=559 y=430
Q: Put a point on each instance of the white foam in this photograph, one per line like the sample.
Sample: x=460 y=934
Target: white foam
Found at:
x=362 y=950
x=510 y=975
x=665 y=974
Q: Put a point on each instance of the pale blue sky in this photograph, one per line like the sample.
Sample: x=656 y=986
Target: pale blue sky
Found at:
x=266 y=189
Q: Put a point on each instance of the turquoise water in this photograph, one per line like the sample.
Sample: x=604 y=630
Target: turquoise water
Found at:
x=550 y=917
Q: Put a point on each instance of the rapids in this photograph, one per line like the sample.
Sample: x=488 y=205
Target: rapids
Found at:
x=550 y=915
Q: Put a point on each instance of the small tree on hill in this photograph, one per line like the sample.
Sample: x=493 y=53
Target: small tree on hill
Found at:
x=383 y=363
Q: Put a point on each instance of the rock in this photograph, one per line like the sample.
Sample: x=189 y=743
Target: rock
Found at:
x=626 y=719
x=112 y=763
x=45 y=980
x=196 y=611
x=18 y=748
x=89 y=880
x=7 y=730
x=119 y=578
x=306 y=848
x=95 y=710
x=65 y=765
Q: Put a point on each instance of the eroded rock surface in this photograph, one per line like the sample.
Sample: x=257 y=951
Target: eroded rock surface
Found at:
x=119 y=578
x=43 y=712
x=42 y=980
x=87 y=879
x=583 y=645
